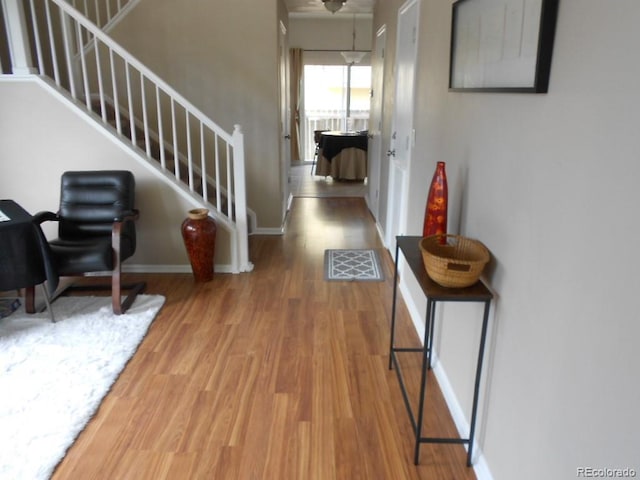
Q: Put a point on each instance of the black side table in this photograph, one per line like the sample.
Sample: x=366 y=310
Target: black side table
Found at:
x=409 y=246
x=24 y=251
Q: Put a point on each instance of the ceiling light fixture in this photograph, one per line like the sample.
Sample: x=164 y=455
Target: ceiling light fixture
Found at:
x=333 y=5
x=352 y=56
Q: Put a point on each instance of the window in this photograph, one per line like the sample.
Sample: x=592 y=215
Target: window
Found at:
x=336 y=97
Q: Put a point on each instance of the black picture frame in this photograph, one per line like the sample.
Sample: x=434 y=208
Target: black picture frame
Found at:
x=502 y=46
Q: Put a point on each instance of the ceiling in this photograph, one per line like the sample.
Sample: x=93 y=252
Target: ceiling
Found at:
x=315 y=7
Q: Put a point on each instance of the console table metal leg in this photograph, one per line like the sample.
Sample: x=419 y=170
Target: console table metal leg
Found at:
x=426 y=360
x=476 y=388
x=393 y=309
x=431 y=321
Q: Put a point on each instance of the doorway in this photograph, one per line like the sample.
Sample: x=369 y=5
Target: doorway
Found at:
x=334 y=96
x=285 y=123
x=375 y=123
x=402 y=138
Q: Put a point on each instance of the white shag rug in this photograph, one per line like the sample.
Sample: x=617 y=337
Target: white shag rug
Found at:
x=53 y=376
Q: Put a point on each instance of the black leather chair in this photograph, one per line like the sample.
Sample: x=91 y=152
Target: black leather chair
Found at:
x=317 y=135
x=96 y=230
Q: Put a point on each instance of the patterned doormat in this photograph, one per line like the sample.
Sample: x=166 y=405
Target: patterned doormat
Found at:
x=352 y=265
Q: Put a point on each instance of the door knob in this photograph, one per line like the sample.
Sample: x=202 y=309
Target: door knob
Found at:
x=391 y=153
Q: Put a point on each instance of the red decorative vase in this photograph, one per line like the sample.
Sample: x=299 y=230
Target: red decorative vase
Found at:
x=199 y=235
x=435 y=215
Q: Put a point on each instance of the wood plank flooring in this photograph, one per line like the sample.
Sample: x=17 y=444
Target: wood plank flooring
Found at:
x=303 y=184
x=274 y=374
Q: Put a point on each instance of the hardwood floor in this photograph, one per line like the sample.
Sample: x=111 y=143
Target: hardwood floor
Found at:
x=274 y=374
x=303 y=184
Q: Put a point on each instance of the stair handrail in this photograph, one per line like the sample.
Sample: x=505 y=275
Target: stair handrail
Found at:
x=141 y=67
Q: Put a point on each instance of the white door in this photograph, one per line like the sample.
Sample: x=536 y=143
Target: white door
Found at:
x=402 y=137
x=375 y=125
x=285 y=134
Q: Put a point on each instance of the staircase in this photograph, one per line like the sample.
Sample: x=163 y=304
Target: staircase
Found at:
x=165 y=156
x=59 y=42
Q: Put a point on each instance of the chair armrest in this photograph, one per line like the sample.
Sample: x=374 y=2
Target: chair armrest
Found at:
x=49 y=265
x=118 y=222
x=116 y=229
x=128 y=215
x=42 y=217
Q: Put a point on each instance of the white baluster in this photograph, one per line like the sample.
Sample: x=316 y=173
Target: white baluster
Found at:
x=176 y=163
x=36 y=34
x=83 y=66
x=216 y=149
x=145 y=120
x=203 y=165
x=18 y=37
x=52 y=43
x=116 y=100
x=132 y=119
x=97 y=7
x=230 y=189
x=189 y=152
x=163 y=161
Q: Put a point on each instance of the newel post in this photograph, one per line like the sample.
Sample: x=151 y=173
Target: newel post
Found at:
x=18 y=37
x=240 y=200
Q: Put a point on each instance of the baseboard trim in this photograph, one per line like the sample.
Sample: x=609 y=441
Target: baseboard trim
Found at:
x=141 y=268
x=268 y=231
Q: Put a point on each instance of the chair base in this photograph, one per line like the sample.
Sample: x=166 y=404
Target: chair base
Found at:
x=30 y=301
x=119 y=306
x=315 y=159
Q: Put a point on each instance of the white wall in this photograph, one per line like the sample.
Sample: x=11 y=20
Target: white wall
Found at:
x=324 y=37
x=549 y=183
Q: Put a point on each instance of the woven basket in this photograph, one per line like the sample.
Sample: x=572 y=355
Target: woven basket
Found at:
x=453 y=260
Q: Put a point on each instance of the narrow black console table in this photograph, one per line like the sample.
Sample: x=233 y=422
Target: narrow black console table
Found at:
x=410 y=248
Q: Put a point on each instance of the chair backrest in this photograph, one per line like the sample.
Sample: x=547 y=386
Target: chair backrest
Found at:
x=317 y=134
x=90 y=200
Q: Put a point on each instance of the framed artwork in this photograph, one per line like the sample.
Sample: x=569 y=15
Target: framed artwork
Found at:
x=502 y=45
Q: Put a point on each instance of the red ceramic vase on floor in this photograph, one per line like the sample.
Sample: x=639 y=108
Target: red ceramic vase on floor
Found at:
x=199 y=235
x=435 y=215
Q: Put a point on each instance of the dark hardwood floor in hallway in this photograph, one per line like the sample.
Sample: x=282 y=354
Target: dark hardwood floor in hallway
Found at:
x=273 y=374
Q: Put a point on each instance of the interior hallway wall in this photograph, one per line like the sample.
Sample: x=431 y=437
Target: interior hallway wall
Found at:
x=548 y=183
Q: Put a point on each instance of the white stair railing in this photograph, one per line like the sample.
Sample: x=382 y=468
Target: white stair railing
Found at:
x=103 y=12
x=137 y=105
